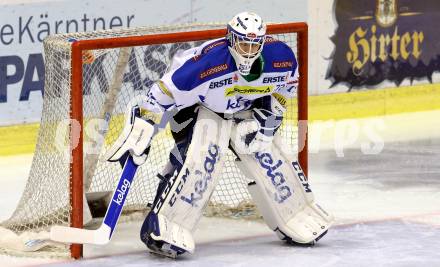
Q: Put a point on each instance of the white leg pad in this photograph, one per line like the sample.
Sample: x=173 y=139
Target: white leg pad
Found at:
x=283 y=194
x=174 y=234
x=183 y=200
x=304 y=227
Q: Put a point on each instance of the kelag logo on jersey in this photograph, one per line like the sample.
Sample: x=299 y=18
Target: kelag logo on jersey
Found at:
x=239 y=102
x=384 y=40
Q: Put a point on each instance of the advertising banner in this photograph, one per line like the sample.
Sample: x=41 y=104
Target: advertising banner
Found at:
x=24 y=24
x=384 y=40
x=22 y=30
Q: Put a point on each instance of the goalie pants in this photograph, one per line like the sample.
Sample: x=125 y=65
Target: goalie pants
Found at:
x=182 y=139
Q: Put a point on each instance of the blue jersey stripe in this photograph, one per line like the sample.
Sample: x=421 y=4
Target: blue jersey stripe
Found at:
x=216 y=62
x=278 y=57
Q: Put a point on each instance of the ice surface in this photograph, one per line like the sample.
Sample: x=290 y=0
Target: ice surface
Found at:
x=389 y=243
x=387 y=207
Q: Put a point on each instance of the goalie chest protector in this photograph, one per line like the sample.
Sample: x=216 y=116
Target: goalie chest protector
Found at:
x=208 y=75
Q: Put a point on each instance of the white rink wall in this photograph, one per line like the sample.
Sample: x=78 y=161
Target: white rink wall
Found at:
x=25 y=23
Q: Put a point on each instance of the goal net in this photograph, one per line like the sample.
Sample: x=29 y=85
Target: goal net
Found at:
x=90 y=80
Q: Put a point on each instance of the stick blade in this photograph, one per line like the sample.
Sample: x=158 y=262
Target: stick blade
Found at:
x=100 y=236
x=25 y=242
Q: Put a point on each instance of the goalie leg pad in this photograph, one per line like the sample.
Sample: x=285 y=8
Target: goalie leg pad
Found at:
x=174 y=216
x=165 y=237
x=305 y=227
x=283 y=195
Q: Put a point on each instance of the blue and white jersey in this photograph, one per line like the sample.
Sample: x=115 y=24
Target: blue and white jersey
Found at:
x=208 y=75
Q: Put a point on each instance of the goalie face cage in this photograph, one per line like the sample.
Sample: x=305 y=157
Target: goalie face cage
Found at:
x=90 y=80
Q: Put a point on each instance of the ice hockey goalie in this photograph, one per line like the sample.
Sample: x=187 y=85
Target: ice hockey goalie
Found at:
x=227 y=93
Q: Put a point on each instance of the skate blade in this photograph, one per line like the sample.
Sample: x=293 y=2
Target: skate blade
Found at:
x=161 y=253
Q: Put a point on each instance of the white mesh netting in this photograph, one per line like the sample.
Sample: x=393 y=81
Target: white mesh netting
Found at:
x=45 y=200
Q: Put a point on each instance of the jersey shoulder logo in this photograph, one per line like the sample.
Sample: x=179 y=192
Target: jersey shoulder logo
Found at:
x=213 y=70
x=282 y=64
x=269 y=40
x=213 y=45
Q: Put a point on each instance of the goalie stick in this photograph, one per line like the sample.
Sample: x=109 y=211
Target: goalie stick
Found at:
x=104 y=233
x=100 y=236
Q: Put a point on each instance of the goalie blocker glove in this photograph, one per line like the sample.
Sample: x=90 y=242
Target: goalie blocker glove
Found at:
x=134 y=139
x=257 y=134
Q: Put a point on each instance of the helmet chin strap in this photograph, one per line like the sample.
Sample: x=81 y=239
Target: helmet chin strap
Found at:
x=243 y=64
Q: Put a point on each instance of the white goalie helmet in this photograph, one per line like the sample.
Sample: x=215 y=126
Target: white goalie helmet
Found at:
x=246 y=32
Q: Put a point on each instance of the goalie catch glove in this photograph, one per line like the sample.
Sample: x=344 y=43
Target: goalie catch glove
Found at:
x=257 y=134
x=134 y=139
